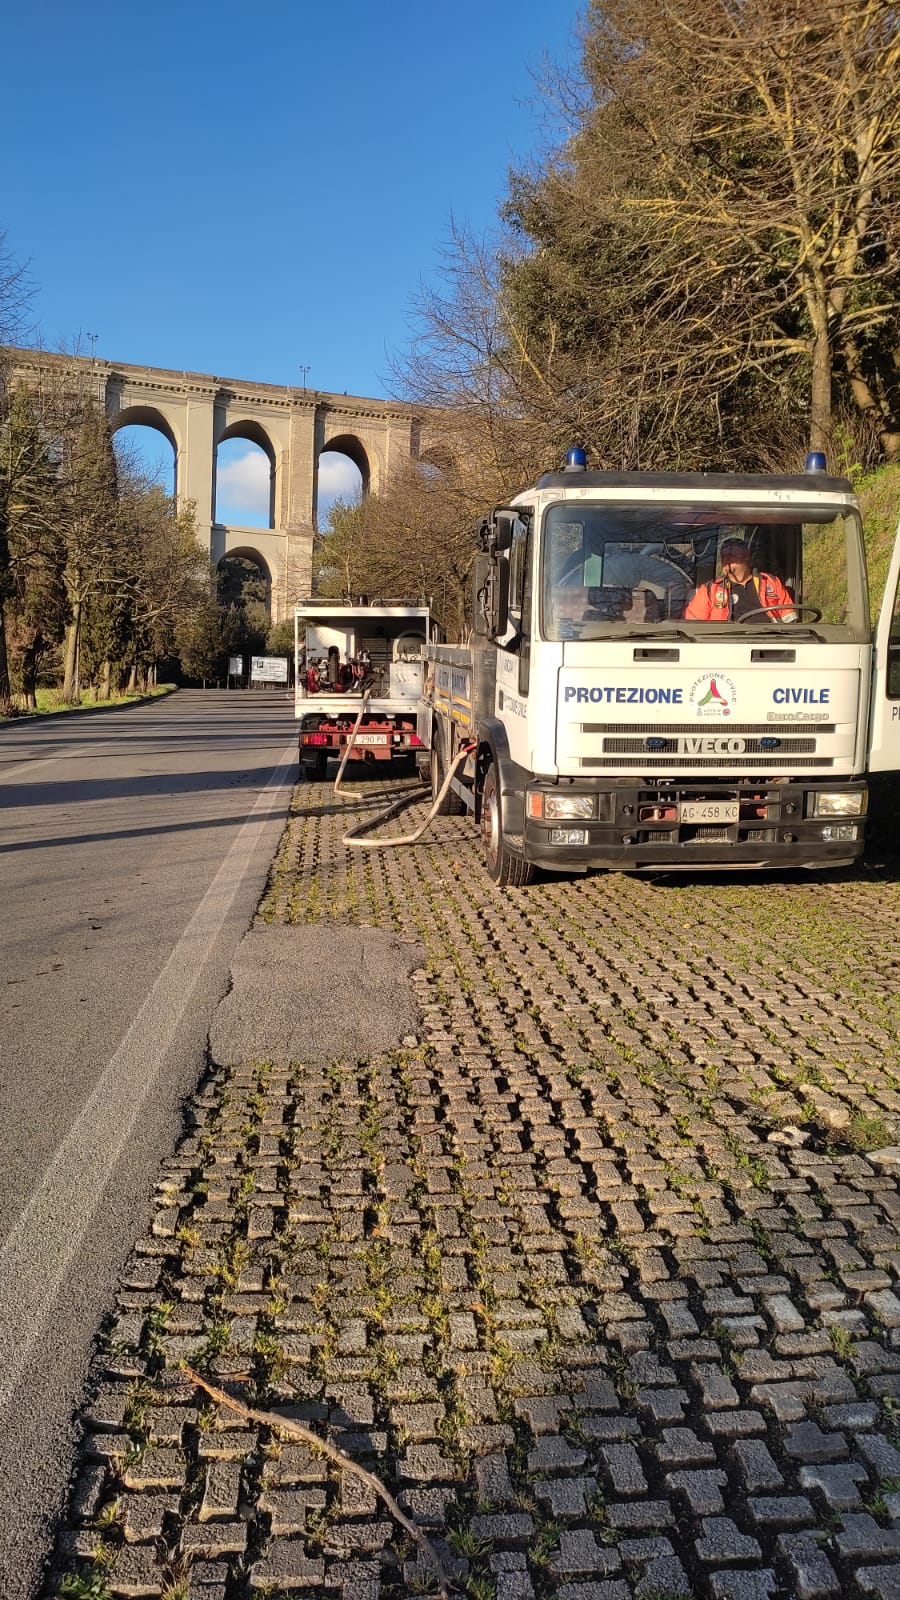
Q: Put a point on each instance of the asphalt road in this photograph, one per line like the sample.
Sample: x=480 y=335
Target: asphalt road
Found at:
x=134 y=846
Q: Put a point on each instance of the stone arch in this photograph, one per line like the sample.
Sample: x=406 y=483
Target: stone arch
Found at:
x=150 y=417
x=246 y=552
x=347 y=444
x=438 y=458
x=254 y=433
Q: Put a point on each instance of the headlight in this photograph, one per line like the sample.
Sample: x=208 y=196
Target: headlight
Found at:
x=846 y=803
x=567 y=805
x=835 y=831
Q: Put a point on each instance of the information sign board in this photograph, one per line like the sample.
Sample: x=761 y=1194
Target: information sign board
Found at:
x=268 y=669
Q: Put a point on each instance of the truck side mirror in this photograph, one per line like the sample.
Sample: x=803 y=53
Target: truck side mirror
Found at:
x=502 y=530
x=491 y=593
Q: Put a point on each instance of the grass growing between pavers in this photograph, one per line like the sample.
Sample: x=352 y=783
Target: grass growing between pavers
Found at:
x=547 y=1273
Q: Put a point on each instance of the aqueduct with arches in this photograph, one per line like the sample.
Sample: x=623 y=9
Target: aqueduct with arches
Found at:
x=197 y=412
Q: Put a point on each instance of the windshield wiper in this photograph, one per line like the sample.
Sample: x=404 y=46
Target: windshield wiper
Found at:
x=657 y=633
x=787 y=634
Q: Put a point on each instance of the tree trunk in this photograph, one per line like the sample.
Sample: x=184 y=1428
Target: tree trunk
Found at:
x=873 y=406
x=820 y=388
x=6 y=705
x=29 y=673
x=71 y=677
x=103 y=688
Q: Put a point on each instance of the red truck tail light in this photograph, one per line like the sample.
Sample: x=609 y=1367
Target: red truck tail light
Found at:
x=316 y=738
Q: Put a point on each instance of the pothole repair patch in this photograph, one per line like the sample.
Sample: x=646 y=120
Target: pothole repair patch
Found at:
x=316 y=993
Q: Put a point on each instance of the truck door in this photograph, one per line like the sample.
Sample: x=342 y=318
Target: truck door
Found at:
x=884 y=740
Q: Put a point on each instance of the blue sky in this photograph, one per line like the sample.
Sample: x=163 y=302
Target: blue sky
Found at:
x=254 y=192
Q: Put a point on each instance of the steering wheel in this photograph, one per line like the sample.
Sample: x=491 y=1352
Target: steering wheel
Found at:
x=812 y=612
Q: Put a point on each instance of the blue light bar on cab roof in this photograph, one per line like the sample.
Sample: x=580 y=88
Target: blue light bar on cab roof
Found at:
x=576 y=459
x=815 y=461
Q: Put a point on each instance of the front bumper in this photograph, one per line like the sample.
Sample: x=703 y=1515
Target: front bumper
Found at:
x=640 y=828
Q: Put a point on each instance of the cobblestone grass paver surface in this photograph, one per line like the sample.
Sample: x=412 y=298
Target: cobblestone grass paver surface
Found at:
x=598 y=1272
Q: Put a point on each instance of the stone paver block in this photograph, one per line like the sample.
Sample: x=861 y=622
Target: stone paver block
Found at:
x=623 y=1466
x=742 y=1585
x=723 y=1543
x=157 y=1469
x=813 y=1575
x=702 y=1490
x=136 y=1571
x=780 y=1511
x=580 y=1553
x=862 y=1537
x=286 y=1563
x=884 y=1582
x=838 y=1484
x=505 y=1527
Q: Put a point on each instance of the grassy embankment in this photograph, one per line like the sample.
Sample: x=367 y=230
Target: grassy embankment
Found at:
x=879 y=494
x=51 y=703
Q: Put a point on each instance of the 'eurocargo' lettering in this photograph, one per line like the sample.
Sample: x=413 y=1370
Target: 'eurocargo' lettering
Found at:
x=624 y=696
x=801 y=697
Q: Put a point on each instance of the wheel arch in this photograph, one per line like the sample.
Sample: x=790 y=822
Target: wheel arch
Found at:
x=493 y=747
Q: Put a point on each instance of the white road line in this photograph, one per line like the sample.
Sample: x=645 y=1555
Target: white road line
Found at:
x=55 y=1222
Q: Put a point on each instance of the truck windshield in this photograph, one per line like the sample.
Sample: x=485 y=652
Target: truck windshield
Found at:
x=613 y=569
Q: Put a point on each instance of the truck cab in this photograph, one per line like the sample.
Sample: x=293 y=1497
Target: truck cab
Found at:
x=644 y=700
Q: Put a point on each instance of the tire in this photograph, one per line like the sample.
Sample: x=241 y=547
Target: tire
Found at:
x=503 y=867
x=451 y=805
x=315 y=766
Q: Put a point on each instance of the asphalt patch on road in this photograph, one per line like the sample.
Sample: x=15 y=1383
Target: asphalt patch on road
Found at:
x=316 y=994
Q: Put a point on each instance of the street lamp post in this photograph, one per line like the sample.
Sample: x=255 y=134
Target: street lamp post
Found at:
x=304 y=371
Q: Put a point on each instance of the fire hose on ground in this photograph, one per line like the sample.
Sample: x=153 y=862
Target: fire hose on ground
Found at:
x=352 y=838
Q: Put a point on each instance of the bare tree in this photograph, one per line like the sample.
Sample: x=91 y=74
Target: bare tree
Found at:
x=725 y=219
x=416 y=540
x=92 y=527
x=15 y=295
x=32 y=597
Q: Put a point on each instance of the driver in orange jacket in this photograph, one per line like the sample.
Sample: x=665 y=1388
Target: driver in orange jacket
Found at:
x=740 y=591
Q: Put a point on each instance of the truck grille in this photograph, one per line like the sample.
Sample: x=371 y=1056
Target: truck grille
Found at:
x=654 y=730
x=669 y=760
x=752 y=747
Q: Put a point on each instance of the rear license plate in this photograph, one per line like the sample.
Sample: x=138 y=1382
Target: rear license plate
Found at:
x=708 y=811
x=371 y=738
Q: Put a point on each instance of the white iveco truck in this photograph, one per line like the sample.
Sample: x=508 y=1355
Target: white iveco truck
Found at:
x=597 y=722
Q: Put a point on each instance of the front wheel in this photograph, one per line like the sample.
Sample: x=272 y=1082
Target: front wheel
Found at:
x=503 y=867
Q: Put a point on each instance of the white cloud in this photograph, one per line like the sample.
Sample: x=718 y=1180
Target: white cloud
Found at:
x=242 y=485
x=243 y=482
x=339 y=479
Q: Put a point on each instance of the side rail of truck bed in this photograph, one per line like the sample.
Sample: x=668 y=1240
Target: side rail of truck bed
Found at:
x=449 y=684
